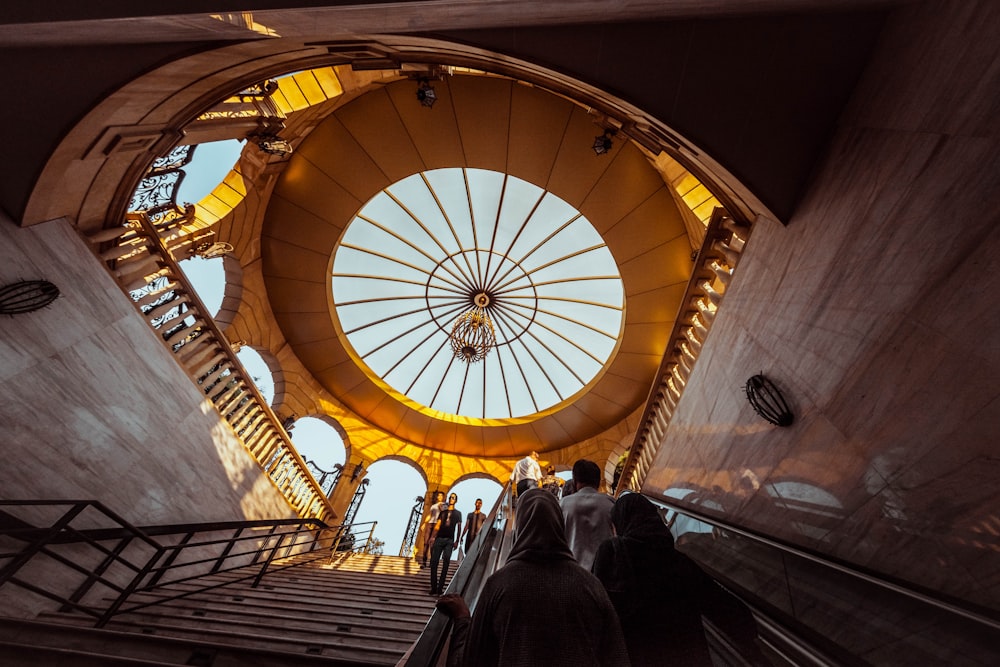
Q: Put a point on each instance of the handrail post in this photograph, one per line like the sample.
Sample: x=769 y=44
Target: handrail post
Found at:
x=263 y=545
x=130 y=588
x=32 y=549
x=225 y=552
x=174 y=553
x=94 y=576
x=270 y=557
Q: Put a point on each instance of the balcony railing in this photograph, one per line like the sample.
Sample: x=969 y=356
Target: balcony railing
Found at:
x=714 y=265
x=140 y=255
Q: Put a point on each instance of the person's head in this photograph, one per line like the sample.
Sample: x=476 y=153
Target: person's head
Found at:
x=550 y=470
x=568 y=488
x=534 y=455
x=479 y=504
x=452 y=499
x=635 y=516
x=540 y=533
x=438 y=496
x=586 y=473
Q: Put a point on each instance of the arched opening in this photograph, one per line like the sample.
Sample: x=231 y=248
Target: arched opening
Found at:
x=320 y=442
x=259 y=370
x=393 y=486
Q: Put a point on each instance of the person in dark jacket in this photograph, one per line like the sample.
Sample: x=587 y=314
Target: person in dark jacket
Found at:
x=448 y=527
x=660 y=594
x=541 y=607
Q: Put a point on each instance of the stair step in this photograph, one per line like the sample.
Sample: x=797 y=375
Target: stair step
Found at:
x=304 y=611
x=359 y=610
x=364 y=650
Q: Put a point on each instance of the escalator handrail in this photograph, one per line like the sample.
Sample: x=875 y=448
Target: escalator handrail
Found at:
x=487 y=554
x=907 y=589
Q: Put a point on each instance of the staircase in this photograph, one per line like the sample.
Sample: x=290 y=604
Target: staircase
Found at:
x=356 y=610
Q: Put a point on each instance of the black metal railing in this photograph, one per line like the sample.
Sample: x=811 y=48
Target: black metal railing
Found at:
x=79 y=556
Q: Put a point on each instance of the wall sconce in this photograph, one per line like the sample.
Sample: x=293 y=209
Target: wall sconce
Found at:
x=26 y=296
x=425 y=93
x=358 y=470
x=603 y=143
x=768 y=402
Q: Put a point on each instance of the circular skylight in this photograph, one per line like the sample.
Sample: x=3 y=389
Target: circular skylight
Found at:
x=427 y=251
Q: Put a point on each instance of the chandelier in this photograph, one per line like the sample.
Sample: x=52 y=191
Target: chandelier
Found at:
x=472 y=336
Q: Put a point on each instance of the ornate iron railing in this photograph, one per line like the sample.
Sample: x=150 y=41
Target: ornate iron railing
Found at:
x=140 y=254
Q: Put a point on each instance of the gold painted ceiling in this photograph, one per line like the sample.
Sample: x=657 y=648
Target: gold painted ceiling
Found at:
x=478 y=122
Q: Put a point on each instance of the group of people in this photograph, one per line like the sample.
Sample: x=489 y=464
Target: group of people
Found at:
x=592 y=581
x=443 y=523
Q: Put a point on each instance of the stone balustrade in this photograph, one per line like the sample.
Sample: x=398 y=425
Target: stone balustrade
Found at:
x=714 y=266
x=139 y=255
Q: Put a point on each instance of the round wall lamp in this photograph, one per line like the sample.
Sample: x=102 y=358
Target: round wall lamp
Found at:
x=26 y=296
x=768 y=402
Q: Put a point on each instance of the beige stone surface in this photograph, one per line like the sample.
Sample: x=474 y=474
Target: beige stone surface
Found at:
x=95 y=407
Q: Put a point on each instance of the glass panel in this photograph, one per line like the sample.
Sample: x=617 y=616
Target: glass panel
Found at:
x=420 y=254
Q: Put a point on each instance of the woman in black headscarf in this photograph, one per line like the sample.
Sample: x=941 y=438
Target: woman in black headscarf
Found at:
x=541 y=607
x=660 y=594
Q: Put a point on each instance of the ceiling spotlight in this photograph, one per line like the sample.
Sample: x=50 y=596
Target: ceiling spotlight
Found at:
x=425 y=93
x=603 y=143
x=272 y=144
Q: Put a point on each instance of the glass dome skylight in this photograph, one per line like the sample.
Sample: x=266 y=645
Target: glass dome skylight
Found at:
x=425 y=250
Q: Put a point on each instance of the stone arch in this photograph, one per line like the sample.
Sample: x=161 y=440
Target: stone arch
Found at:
x=277 y=375
x=232 y=291
x=150 y=112
x=475 y=475
x=336 y=426
x=403 y=459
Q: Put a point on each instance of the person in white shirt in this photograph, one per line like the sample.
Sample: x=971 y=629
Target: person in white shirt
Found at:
x=429 y=530
x=526 y=474
x=587 y=513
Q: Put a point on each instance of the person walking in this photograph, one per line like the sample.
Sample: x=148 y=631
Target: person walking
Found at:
x=587 y=513
x=473 y=523
x=541 y=607
x=526 y=474
x=449 y=521
x=661 y=595
x=430 y=523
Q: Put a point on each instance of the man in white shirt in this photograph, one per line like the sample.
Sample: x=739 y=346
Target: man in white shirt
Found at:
x=587 y=513
x=430 y=523
x=526 y=474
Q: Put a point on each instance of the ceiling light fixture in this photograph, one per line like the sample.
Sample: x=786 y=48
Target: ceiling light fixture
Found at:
x=425 y=93
x=603 y=143
x=472 y=337
x=272 y=144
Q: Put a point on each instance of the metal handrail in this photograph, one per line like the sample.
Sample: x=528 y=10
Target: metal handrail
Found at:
x=907 y=589
x=487 y=554
x=132 y=561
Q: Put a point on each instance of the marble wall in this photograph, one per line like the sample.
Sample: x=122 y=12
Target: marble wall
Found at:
x=94 y=407
x=876 y=312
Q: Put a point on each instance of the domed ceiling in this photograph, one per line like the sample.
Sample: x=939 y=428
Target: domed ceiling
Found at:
x=393 y=219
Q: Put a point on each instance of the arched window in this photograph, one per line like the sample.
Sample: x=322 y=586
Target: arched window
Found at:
x=259 y=372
